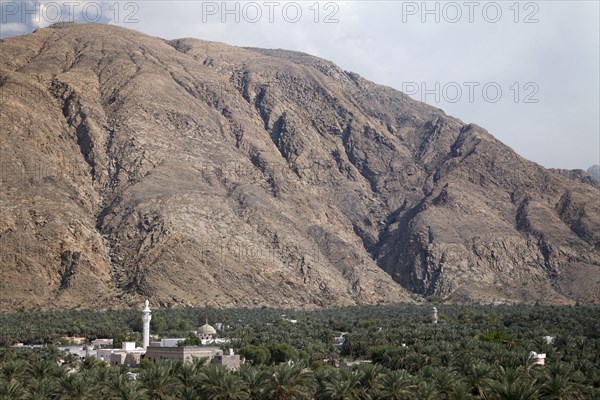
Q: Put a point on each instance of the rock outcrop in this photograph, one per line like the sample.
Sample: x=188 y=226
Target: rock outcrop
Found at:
x=594 y=171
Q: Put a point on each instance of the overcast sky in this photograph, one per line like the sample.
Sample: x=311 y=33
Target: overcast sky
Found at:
x=528 y=72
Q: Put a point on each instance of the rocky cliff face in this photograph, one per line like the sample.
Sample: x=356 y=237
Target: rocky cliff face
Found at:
x=196 y=173
x=594 y=171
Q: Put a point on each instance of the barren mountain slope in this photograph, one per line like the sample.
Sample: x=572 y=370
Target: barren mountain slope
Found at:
x=198 y=173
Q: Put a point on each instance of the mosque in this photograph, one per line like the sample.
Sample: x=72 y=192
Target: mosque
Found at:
x=168 y=349
x=206 y=332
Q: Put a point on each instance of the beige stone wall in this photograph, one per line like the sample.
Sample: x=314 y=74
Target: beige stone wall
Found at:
x=183 y=354
x=164 y=353
x=117 y=359
x=230 y=362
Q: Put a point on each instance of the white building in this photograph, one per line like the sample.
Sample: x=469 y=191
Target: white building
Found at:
x=170 y=342
x=537 y=358
x=128 y=355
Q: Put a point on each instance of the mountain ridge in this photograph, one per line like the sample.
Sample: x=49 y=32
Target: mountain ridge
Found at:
x=594 y=172
x=205 y=174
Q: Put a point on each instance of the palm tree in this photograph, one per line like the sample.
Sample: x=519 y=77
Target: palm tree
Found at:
x=345 y=385
x=227 y=387
x=444 y=378
x=595 y=351
x=466 y=346
x=558 y=387
x=290 y=383
x=71 y=360
x=513 y=384
x=189 y=376
x=323 y=376
x=515 y=390
x=158 y=381
x=430 y=355
x=425 y=390
x=188 y=393
x=78 y=387
x=14 y=370
x=412 y=361
x=478 y=375
x=90 y=363
x=197 y=364
x=104 y=375
x=42 y=369
x=448 y=359
x=561 y=381
x=52 y=353
x=42 y=389
x=460 y=391
x=211 y=373
x=256 y=380
x=565 y=344
x=397 y=385
x=12 y=390
x=371 y=380
x=121 y=388
x=6 y=353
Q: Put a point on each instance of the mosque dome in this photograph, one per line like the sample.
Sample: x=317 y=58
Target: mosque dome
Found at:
x=206 y=329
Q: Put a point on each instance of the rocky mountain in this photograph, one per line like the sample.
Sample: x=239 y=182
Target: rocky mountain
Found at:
x=594 y=171
x=196 y=173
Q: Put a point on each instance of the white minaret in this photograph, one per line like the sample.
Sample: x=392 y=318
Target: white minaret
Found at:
x=434 y=317
x=146 y=317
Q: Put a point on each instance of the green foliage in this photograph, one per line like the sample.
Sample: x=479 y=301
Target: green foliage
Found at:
x=157 y=324
x=319 y=365
x=434 y=299
x=494 y=337
x=179 y=325
x=378 y=353
x=145 y=364
x=355 y=345
x=255 y=354
x=118 y=340
x=368 y=323
x=467 y=315
x=281 y=352
x=479 y=352
x=190 y=341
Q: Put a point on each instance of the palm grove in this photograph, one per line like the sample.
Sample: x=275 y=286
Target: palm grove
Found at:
x=472 y=353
